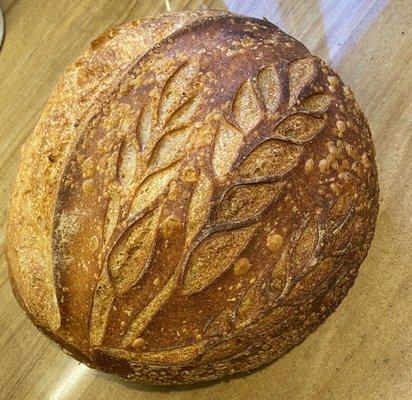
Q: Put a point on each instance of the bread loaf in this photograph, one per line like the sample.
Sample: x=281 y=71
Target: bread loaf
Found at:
x=196 y=199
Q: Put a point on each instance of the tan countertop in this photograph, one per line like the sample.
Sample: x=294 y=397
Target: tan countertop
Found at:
x=363 y=351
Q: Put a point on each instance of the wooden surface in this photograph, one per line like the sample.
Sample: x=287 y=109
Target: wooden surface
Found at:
x=363 y=351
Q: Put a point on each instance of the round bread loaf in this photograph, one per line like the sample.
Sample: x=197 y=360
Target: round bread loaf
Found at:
x=196 y=199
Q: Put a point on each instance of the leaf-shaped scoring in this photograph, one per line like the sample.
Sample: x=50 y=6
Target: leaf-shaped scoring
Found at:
x=131 y=254
x=318 y=277
x=244 y=201
x=102 y=302
x=306 y=245
x=152 y=187
x=301 y=72
x=212 y=257
x=176 y=90
x=299 y=128
x=227 y=144
x=112 y=213
x=343 y=236
x=184 y=114
x=198 y=206
x=316 y=103
x=249 y=304
x=246 y=108
x=341 y=209
x=224 y=350
x=280 y=273
x=222 y=323
x=126 y=162
x=269 y=87
x=271 y=158
x=342 y=224
x=170 y=147
x=145 y=123
x=145 y=315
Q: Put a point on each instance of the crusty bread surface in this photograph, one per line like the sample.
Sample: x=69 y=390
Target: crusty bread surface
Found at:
x=197 y=198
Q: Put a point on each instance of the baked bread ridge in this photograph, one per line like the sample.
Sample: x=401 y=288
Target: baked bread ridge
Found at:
x=285 y=258
x=76 y=94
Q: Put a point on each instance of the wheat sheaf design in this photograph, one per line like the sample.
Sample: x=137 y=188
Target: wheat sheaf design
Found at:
x=195 y=189
x=224 y=201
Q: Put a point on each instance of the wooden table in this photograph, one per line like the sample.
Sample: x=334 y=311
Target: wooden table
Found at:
x=363 y=351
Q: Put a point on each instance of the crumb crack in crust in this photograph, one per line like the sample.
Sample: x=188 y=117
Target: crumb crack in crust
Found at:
x=193 y=202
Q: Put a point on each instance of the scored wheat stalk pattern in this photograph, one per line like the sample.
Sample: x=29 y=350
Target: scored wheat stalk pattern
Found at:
x=243 y=165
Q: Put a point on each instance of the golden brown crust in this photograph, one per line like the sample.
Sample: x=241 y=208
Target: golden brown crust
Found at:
x=77 y=93
x=196 y=199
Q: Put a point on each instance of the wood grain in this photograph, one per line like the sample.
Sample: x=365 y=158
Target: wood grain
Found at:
x=363 y=350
